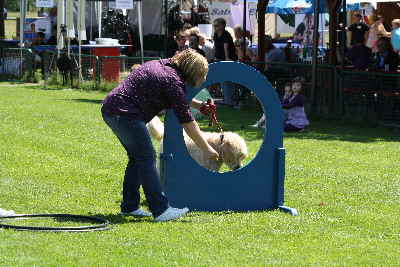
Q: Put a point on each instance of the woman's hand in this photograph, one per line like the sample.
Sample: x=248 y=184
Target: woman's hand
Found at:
x=194 y=132
x=212 y=154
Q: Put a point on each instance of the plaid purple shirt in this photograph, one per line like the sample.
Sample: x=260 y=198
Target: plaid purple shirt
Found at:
x=153 y=87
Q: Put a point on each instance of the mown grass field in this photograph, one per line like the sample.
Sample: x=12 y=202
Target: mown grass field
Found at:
x=56 y=155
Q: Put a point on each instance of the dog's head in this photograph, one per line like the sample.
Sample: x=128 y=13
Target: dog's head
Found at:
x=233 y=150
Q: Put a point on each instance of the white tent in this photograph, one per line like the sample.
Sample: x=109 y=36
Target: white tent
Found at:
x=152 y=14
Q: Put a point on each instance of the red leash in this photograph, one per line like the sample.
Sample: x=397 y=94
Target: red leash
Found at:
x=210 y=109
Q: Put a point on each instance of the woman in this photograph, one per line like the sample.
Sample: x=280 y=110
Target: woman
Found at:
x=376 y=31
x=386 y=58
x=194 y=43
x=223 y=42
x=153 y=87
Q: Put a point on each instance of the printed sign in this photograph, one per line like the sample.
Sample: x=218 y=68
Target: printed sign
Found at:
x=44 y=3
x=233 y=13
x=124 y=4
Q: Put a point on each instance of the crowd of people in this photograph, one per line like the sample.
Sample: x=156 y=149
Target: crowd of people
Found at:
x=225 y=44
x=371 y=45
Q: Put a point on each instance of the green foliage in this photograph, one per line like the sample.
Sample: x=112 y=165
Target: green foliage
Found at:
x=34 y=77
x=57 y=155
x=14 y=5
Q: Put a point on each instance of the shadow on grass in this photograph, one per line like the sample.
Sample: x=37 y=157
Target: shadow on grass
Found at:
x=85 y=100
x=342 y=131
x=119 y=219
x=320 y=129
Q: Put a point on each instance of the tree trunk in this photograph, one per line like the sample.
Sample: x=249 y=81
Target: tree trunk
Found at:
x=261 y=7
x=2 y=32
x=333 y=26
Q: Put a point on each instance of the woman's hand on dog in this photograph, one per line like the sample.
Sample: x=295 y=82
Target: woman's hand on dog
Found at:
x=212 y=154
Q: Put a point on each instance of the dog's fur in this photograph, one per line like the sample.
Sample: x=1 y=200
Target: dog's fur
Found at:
x=232 y=148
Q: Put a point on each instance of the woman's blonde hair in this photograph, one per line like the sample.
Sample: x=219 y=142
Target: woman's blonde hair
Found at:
x=193 y=66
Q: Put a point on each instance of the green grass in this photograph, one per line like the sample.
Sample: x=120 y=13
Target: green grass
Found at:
x=56 y=155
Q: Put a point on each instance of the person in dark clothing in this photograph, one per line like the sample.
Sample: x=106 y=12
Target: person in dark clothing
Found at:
x=359 y=30
x=194 y=43
x=223 y=42
x=53 y=38
x=387 y=59
x=360 y=56
x=179 y=44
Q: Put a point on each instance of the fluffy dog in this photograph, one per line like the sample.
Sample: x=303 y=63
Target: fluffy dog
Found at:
x=231 y=147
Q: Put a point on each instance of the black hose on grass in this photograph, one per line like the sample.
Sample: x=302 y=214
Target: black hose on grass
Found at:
x=102 y=224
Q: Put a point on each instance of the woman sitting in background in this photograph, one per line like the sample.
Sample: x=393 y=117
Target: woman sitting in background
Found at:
x=386 y=59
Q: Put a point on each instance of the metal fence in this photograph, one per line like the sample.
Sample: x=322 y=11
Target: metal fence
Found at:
x=366 y=95
x=338 y=92
x=99 y=70
x=16 y=64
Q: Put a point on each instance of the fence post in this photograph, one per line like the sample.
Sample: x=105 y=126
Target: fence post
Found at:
x=45 y=68
x=98 y=74
x=340 y=91
x=31 y=59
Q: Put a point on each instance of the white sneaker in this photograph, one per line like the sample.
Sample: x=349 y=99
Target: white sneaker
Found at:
x=5 y=213
x=137 y=213
x=171 y=214
x=255 y=125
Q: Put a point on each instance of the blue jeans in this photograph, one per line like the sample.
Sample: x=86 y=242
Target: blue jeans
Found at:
x=141 y=168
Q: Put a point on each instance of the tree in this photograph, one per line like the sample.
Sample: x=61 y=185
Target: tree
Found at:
x=261 y=7
x=2 y=5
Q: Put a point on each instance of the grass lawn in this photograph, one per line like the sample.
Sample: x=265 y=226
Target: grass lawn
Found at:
x=56 y=155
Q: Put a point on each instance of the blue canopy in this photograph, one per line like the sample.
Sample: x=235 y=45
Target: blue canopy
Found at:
x=287 y=7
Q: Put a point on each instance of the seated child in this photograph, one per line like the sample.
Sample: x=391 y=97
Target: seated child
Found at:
x=288 y=93
x=296 y=116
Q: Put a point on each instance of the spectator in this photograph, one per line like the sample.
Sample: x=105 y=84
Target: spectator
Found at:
x=273 y=54
x=359 y=30
x=40 y=39
x=241 y=46
x=360 y=56
x=5 y=13
x=223 y=42
x=224 y=50
x=180 y=44
x=53 y=38
x=395 y=31
x=296 y=116
x=239 y=36
x=377 y=30
x=395 y=24
x=194 y=43
x=207 y=46
x=387 y=59
x=290 y=53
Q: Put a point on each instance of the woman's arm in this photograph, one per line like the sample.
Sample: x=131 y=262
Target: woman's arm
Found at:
x=226 y=50
x=196 y=104
x=194 y=132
